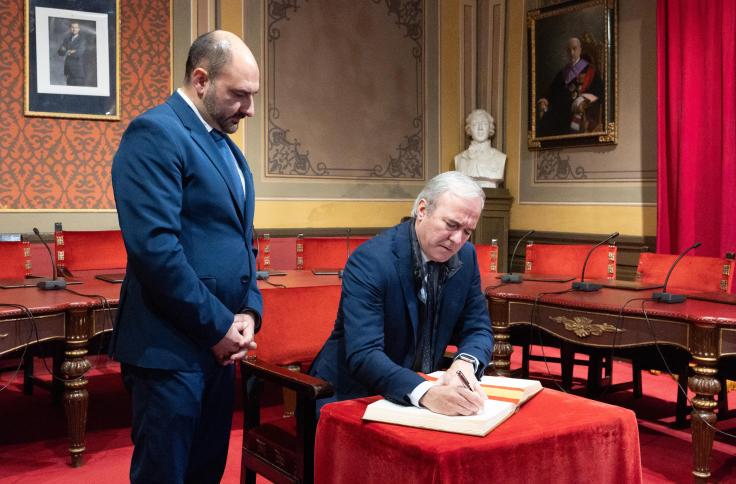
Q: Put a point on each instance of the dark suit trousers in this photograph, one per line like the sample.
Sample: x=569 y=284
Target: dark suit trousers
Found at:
x=181 y=423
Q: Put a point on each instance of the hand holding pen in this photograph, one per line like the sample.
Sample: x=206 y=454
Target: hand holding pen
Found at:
x=464 y=379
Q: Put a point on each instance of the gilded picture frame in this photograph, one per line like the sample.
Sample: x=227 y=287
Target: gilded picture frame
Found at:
x=72 y=59
x=573 y=82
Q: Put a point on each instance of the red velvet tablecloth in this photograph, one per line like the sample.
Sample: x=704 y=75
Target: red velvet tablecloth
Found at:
x=554 y=438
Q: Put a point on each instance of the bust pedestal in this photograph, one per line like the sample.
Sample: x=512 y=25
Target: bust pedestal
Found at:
x=494 y=223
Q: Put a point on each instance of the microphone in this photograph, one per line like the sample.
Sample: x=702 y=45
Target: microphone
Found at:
x=260 y=275
x=589 y=286
x=511 y=277
x=54 y=283
x=666 y=297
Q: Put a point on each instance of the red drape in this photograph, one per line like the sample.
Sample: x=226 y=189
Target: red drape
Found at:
x=696 y=115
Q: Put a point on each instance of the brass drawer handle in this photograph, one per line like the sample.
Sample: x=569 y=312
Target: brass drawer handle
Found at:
x=4 y=335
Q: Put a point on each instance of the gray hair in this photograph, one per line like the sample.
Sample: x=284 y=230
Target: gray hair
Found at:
x=450 y=181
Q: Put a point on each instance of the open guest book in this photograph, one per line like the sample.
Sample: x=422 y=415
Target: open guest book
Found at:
x=505 y=396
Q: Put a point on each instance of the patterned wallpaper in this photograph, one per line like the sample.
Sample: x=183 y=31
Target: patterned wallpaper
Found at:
x=51 y=163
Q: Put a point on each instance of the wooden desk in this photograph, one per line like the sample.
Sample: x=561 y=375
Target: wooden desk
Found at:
x=64 y=316
x=555 y=437
x=706 y=330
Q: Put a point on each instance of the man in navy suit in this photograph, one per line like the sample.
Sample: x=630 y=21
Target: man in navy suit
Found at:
x=406 y=295
x=189 y=304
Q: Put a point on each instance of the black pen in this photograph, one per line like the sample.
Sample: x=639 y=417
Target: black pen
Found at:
x=464 y=379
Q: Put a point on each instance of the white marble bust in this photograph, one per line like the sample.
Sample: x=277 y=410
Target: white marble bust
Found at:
x=482 y=162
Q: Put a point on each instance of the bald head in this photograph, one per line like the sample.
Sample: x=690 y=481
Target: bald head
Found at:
x=221 y=78
x=215 y=50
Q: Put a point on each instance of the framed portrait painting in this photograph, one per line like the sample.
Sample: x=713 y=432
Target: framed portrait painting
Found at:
x=572 y=74
x=72 y=59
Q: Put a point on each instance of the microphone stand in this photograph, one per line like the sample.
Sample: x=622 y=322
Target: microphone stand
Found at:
x=511 y=277
x=667 y=297
x=54 y=283
x=590 y=286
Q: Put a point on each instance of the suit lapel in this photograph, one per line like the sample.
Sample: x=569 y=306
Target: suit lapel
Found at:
x=405 y=266
x=204 y=140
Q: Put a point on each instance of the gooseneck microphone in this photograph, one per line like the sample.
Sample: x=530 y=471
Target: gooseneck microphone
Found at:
x=666 y=297
x=55 y=283
x=510 y=277
x=590 y=286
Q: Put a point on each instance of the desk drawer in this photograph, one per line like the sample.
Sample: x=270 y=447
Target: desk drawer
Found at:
x=17 y=333
x=599 y=329
x=103 y=320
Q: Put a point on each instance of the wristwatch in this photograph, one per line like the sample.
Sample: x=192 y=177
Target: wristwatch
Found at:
x=469 y=359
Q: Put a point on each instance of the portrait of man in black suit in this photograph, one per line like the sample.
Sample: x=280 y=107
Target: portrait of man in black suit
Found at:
x=73 y=48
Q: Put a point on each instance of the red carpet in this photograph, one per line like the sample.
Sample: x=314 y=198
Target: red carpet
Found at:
x=33 y=444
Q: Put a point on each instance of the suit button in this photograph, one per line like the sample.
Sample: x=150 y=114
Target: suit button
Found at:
x=244 y=280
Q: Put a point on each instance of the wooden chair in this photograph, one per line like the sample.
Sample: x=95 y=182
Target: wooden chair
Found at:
x=89 y=249
x=325 y=252
x=15 y=260
x=567 y=261
x=280 y=450
x=487 y=257
x=692 y=274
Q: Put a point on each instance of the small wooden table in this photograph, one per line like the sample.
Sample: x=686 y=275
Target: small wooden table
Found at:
x=555 y=437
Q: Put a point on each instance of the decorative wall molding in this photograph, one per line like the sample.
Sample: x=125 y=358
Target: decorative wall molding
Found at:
x=349 y=100
x=293 y=150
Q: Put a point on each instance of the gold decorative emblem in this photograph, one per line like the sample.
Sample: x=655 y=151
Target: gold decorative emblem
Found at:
x=584 y=327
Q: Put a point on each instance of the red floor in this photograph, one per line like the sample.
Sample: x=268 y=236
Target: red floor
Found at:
x=33 y=445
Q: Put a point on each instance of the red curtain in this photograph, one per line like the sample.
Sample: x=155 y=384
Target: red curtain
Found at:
x=696 y=115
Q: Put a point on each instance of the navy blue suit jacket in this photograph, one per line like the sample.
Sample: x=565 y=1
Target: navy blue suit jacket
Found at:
x=190 y=260
x=373 y=346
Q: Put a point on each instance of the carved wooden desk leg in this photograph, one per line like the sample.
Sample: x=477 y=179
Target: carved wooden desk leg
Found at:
x=502 y=349
x=76 y=364
x=705 y=385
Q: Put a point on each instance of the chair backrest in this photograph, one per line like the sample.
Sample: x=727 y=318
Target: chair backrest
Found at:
x=15 y=260
x=567 y=260
x=695 y=273
x=90 y=249
x=263 y=245
x=285 y=338
x=487 y=257
x=325 y=252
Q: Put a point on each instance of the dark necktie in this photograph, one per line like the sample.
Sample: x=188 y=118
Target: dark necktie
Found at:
x=229 y=165
x=431 y=286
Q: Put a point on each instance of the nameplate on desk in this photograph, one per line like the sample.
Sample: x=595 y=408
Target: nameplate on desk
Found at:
x=628 y=285
x=325 y=272
x=33 y=282
x=114 y=278
x=542 y=277
x=275 y=273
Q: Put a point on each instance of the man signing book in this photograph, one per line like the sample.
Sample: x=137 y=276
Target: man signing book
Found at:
x=406 y=295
